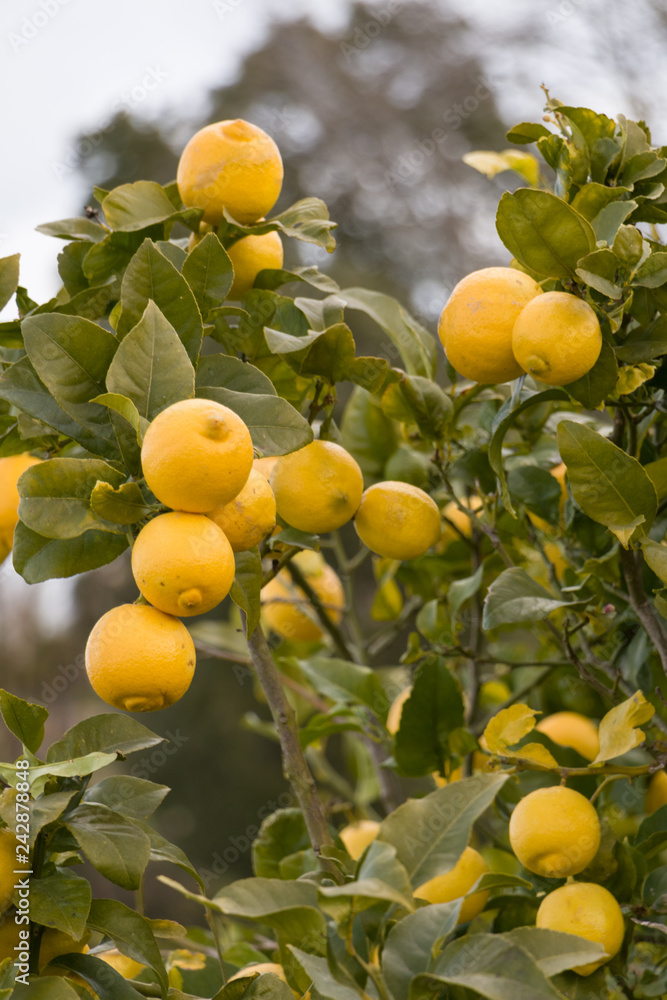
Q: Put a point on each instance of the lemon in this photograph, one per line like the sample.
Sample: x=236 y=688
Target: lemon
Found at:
x=588 y=910
x=557 y=338
x=317 y=488
x=127 y=967
x=476 y=325
x=554 y=832
x=183 y=563
x=250 y=516
x=10 y=470
x=453 y=514
x=357 y=836
x=456 y=883
x=493 y=693
x=251 y=255
x=284 y=605
x=656 y=794
x=265 y=465
x=8 y=865
x=397 y=520
x=259 y=968
x=570 y=729
x=230 y=165
x=55 y=943
x=139 y=658
x=196 y=455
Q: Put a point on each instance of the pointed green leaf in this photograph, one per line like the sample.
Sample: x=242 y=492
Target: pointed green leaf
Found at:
x=410 y=943
x=52 y=988
x=275 y=426
x=131 y=933
x=317 y=969
x=110 y=733
x=554 y=951
x=38 y=558
x=515 y=597
x=62 y=901
x=209 y=272
x=23 y=719
x=419 y=400
x=247 y=585
x=74 y=229
x=133 y=797
x=132 y=207
x=9 y=278
x=118 y=849
x=308 y=220
x=593 y=388
x=55 y=496
x=106 y=983
x=346 y=682
x=429 y=717
x=124 y=505
x=415 y=345
x=526 y=132
x=543 y=232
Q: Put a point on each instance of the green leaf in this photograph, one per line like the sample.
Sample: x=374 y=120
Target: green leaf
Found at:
x=515 y=597
x=131 y=933
x=598 y=269
x=411 y=941
x=163 y=851
x=247 y=585
x=543 y=232
x=132 y=207
x=55 y=496
x=329 y=354
x=554 y=951
x=430 y=715
x=368 y=435
x=421 y=401
x=609 y=219
x=318 y=971
x=379 y=876
x=593 y=388
x=209 y=272
x=108 y=733
x=74 y=229
x=609 y=485
x=106 y=983
x=462 y=590
x=527 y=132
x=307 y=220
x=537 y=489
x=125 y=505
x=151 y=367
x=411 y=340
x=653 y=272
x=654 y=890
x=275 y=426
x=115 y=847
x=220 y=371
x=591 y=199
x=48 y=809
x=38 y=558
x=281 y=834
x=345 y=682
x=23 y=719
x=9 y=278
x=79 y=767
x=619 y=732
x=126 y=408
x=271 y=279
x=61 y=900
x=133 y=797
x=52 y=988
x=645 y=343
x=288 y=906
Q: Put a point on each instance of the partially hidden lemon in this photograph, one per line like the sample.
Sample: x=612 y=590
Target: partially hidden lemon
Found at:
x=11 y=469
x=357 y=836
x=457 y=883
x=555 y=832
x=55 y=943
x=656 y=794
x=249 y=256
x=265 y=465
x=287 y=611
x=196 y=455
x=127 y=967
x=317 y=488
x=250 y=516
x=257 y=969
x=476 y=325
x=397 y=520
x=557 y=338
x=8 y=865
x=462 y=524
x=588 y=910
x=139 y=658
x=570 y=729
x=230 y=165
x=182 y=563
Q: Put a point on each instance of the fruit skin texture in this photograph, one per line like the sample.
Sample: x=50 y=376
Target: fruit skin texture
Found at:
x=231 y=165
x=196 y=455
x=397 y=520
x=555 y=832
x=182 y=563
x=557 y=338
x=280 y=598
x=8 y=845
x=139 y=659
x=265 y=465
x=317 y=488
x=127 y=967
x=249 y=256
x=357 y=836
x=456 y=883
x=588 y=910
x=570 y=729
x=476 y=325
x=656 y=794
x=250 y=516
x=10 y=469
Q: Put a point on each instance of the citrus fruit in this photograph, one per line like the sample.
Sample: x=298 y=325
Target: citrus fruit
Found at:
x=10 y=470
x=557 y=338
x=317 y=488
x=196 y=455
x=357 y=836
x=456 y=883
x=453 y=513
x=9 y=936
x=230 y=165
x=265 y=465
x=570 y=729
x=476 y=325
x=257 y=969
x=588 y=910
x=656 y=794
x=397 y=520
x=250 y=516
x=285 y=607
x=139 y=658
x=251 y=255
x=8 y=865
x=182 y=563
x=493 y=693
x=554 y=832
x=55 y=943
x=127 y=967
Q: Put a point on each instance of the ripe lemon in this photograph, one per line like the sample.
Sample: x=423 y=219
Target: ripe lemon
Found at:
x=251 y=255
x=265 y=465
x=140 y=659
x=260 y=967
x=493 y=693
x=317 y=488
x=127 y=967
x=476 y=325
x=10 y=470
x=555 y=832
x=397 y=520
x=8 y=865
x=557 y=338
x=183 y=563
x=588 y=910
x=284 y=605
x=9 y=936
x=55 y=943
x=453 y=513
x=357 y=836
x=656 y=794
x=196 y=455
x=570 y=729
x=250 y=516
x=456 y=883
x=230 y=165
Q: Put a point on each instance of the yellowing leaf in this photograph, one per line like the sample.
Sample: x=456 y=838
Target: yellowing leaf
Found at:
x=182 y=959
x=508 y=727
x=537 y=753
x=523 y=163
x=490 y=163
x=630 y=377
x=625 y=532
x=618 y=734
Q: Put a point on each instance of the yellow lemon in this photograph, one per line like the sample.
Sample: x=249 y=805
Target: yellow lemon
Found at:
x=55 y=943
x=570 y=729
x=10 y=469
x=196 y=455
x=127 y=967
x=285 y=607
x=251 y=255
x=8 y=865
x=588 y=910
x=397 y=520
x=257 y=969
x=555 y=832
x=557 y=338
x=476 y=325
x=357 y=836
x=265 y=465
x=230 y=165
x=656 y=794
x=493 y=693
x=140 y=659
x=250 y=516
x=183 y=563
x=457 y=883
x=317 y=488
x=453 y=513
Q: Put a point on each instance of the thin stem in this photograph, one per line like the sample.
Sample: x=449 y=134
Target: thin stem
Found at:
x=607 y=781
